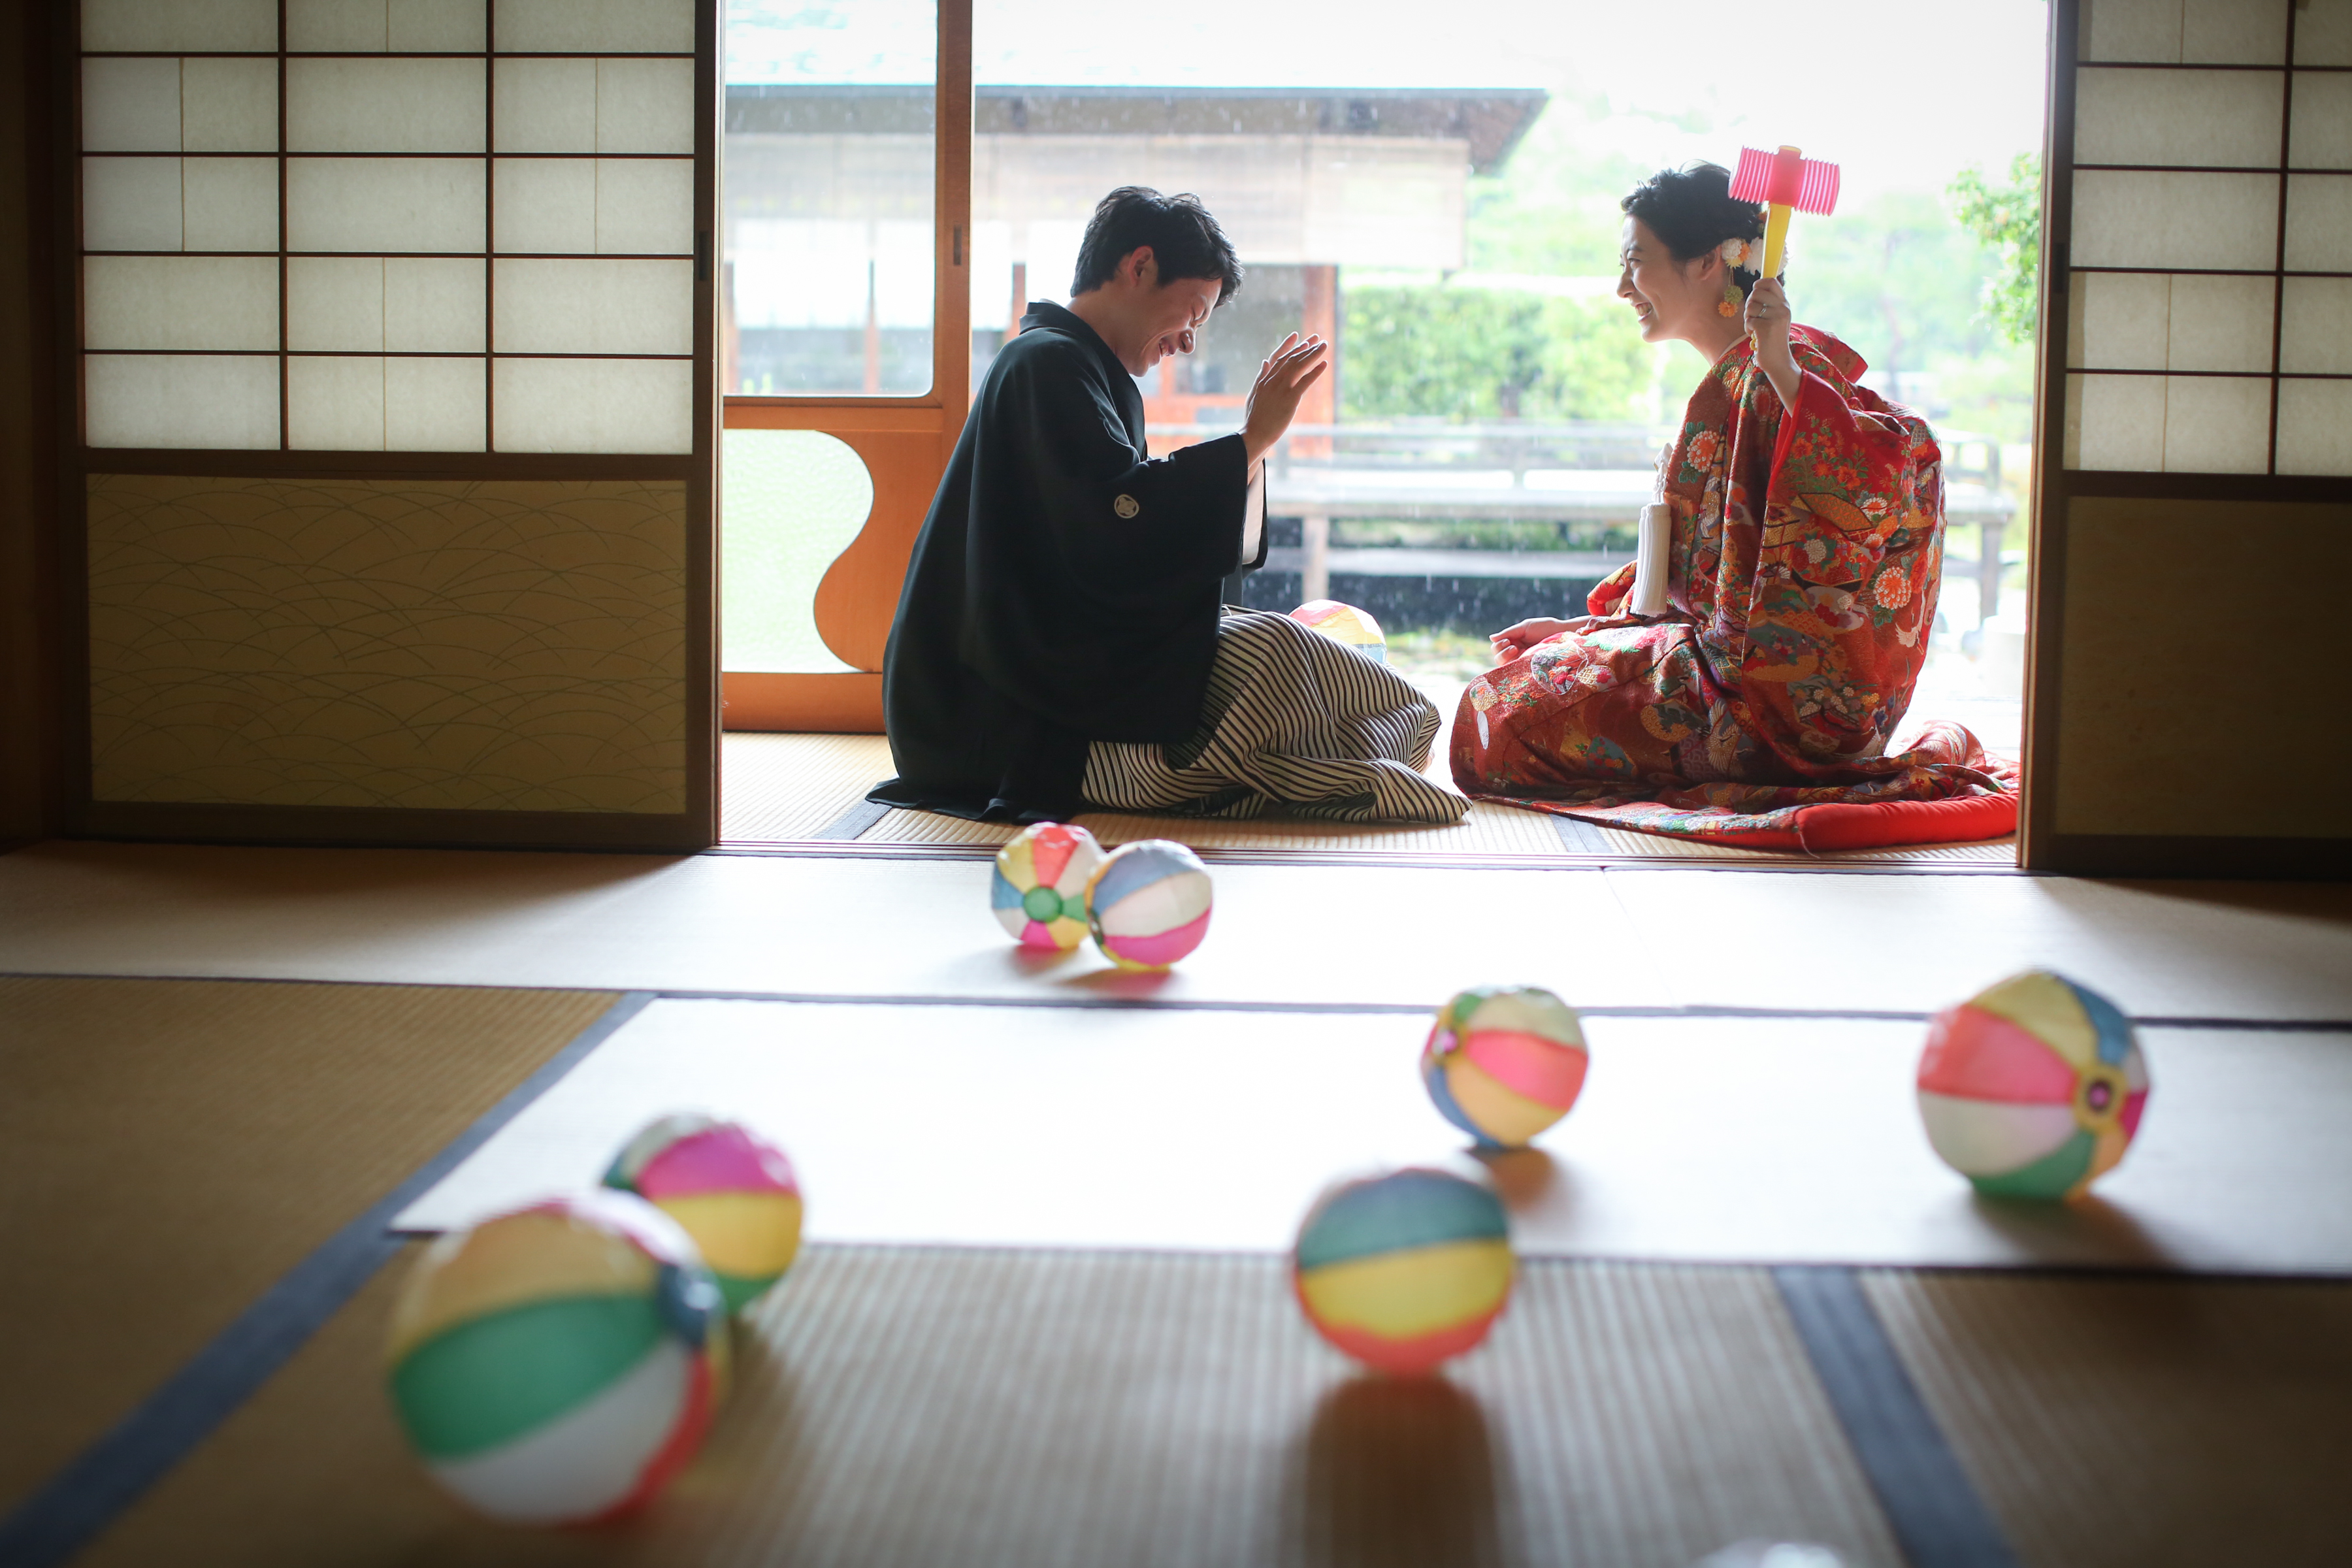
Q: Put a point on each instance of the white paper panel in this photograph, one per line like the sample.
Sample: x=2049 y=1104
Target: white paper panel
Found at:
x=546 y=205
x=645 y=106
x=2118 y=320
x=180 y=302
x=2217 y=118
x=384 y=106
x=334 y=405
x=546 y=106
x=171 y=400
x=594 y=307
x=2315 y=329
x=2323 y=33
x=2314 y=435
x=334 y=303
x=2131 y=30
x=596 y=27
x=230 y=204
x=390 y=204
x=335 y=26
x=644 y=207
x=594 y=406
x=431 y=25
x=2322 y=135
x=2114 y=422
x=228 y=106
x=2217 y=424
x=2131 y=219
x=435 y=305
x=131 y=203
x=2234 y=32
x=177 y=26
x=434 y=405
x=2319 y=222
x=131 y=106
x=2221 y=323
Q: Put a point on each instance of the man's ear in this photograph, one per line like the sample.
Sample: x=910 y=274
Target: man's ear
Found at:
x=1142 y=266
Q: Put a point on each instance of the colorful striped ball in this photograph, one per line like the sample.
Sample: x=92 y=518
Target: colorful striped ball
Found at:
x=2033 y=1089
x=1040 y=890
x=1406 y=1270
x=1345 y=623
x=1149 y=904
x=557 y=1365
x=1502 y=1063
x=732 y=1191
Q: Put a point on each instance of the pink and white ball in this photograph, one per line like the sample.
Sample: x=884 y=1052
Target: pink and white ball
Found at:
x=1039 y=893
x=1149 y=906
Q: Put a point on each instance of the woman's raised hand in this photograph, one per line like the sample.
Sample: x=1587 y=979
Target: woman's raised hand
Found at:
x=1513 y=642
x=1768 y=322
x=1294 y=366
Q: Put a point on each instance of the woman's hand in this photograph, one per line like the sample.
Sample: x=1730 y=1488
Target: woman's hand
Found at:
x=1768 y=322
x=1513 y=642
x=1295 y=365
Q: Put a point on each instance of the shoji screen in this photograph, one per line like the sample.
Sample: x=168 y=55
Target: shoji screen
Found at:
x=2194 y=510
x=398 y=417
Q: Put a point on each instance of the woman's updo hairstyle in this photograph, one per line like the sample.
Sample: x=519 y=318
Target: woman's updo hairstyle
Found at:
x=1691 y=211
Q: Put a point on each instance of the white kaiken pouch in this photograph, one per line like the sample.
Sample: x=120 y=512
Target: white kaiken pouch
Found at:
x=1649 y=594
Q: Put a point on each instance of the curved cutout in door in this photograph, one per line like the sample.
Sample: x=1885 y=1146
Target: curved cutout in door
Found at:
x=859 y=594
x=793 y=500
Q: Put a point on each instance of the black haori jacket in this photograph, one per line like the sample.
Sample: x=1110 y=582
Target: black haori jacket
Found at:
x=1064 y=588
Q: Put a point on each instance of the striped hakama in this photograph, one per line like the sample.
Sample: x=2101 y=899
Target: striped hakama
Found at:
x=1293 y=724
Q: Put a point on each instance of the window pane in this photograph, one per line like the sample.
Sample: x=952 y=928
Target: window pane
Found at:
x=181 y=400
x=594 y=404
x=829 y=239
x=793 y=500
x=2221 y=118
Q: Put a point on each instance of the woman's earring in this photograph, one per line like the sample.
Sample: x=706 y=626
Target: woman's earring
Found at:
x=1729 y=306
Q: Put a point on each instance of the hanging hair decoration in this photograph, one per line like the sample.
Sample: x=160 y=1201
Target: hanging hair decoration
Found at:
x=1733 y=298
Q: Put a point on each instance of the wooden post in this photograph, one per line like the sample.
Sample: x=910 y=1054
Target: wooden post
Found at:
x=1315 y=574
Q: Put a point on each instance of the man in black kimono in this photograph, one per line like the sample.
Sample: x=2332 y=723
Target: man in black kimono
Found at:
x=1066 y=589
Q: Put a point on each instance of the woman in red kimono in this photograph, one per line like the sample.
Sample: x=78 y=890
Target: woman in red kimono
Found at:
x=1807 y=550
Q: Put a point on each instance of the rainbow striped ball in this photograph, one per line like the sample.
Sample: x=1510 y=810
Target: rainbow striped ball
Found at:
x=557 y=1365
x=1405 y=1270
x=1149 y=904
x=731 y=1190
x=1345 y=623
x=2033 y=1089
x=1040 y=890
x=1504 y=1063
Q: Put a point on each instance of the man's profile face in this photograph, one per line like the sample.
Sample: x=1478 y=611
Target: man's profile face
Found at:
x=1168 y=314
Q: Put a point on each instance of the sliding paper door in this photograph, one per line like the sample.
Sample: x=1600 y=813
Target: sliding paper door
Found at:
x=397 y=417
x=2195 y=471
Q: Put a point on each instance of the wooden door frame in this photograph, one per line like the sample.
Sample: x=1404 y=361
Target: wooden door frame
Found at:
x=905 y=443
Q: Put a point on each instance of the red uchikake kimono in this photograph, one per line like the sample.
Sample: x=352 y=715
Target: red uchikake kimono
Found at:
x=1756 y=710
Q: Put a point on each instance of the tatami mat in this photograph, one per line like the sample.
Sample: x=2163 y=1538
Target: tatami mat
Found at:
x=777 y=788
x=1760 y=1141
x=2141 y=1422
x=168 y=1149
x=1288 y=936
x=898 y=1408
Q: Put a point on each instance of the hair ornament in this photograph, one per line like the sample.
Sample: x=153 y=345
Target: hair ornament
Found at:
x=1729 y=305
x=1735 y=252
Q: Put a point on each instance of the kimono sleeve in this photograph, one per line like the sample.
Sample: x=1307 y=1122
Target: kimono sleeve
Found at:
x=1125 y=523
x=1853 y=479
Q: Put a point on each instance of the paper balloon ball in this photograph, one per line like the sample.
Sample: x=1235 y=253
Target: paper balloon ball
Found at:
x=1040 y=890
x=1504 y=1063
x=2033 y=1089
x=557 y=1365
x=1345 y=623
x=1148 y=905
x=1405 y=1270
x=730 y=1189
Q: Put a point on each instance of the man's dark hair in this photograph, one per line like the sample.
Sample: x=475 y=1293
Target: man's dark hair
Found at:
x=1185 y=241
x=1691 y=211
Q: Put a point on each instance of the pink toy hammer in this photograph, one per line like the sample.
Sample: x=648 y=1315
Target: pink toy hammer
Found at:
x=1786 y=180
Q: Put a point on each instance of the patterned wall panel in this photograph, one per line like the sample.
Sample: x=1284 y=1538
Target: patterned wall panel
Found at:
x=509 y=646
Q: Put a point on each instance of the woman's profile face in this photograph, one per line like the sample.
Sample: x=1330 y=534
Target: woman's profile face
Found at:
x=1673 y=299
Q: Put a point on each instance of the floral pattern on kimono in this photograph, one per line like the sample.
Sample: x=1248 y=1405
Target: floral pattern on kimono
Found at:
x=1802 y=577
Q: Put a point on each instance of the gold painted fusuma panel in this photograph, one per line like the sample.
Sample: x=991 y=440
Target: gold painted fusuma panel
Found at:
x=428 y=644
